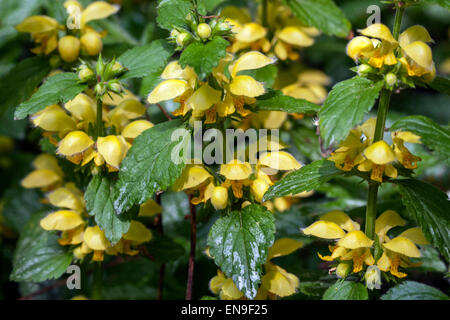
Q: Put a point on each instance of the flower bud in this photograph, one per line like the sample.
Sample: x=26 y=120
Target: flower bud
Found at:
x=343 y=269
x=391 y=79
x=364 y=69
x=100 y=66
x=92 y=43
x=69 y=48
x=174 y=33
x=204 y=30
x=222 y=27
x=100 y=89
x=373 y=277
x=115 y=86
x=219 y=198
x=86 y=73
x=183 y=39
x=259 y=188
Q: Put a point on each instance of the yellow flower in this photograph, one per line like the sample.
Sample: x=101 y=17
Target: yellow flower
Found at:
x=75 y=146
x=136 y=235
x=379 y=158
x=249 y=35
x=406 y=158
x=43 y=30
x=292 y=37
x=125 y=111
x=135 y=128
x=352 y=245
x=69 y=197
x=397 y=251
x=69 y=222
x=69 y=48
x=237 y=174
x=112 y=150
x=349 y=153
x=95 y=11
x=225 y=287
x=54 y=119
x=195 y=179
x=47 y=173
x=94 y=239
x=149 y=208
x=219 y=198
x=83 y=108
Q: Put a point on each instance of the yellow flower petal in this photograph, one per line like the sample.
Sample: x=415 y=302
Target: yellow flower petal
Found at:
x=379 y=31
x=35 y=24
x=259 y=188
x=75 y=142
x=138 y=233
x=191 y=177
x=403 y=246
x=230 y=291
x=113 y=149
x=280 y=282
x=216 y=283
x=341 y=219
x=98 y=10
x=55 y=119
x=135 y=128
x=414 y=33
x=95 y=238
x=40 y=178
x=62 y=220
x=236 y=170
x=250 y=61
x=387 y=220
x=379 y=153
x=415 y=235
x=149 y=208
x=354 y=240
x=168 y=90
x=82 y=107
x=246 y=86
x=49 y=162
x=325 y=230
x=295 y=36
x=420 y=53
x=66 y=198
x=251 y=32
x=203 y=98
x=283 y=247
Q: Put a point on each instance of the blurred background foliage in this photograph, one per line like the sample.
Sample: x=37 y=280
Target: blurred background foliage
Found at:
x=138 y=278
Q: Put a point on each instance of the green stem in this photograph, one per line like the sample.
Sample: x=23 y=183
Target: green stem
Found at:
x=97 y=287
x=264 y=13
x=383 y=108
x=99 y=125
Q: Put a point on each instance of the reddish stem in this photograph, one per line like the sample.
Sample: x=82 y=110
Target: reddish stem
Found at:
x=190 y=280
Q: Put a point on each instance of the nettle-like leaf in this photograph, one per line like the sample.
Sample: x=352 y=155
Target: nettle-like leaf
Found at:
x=266 y=74
x=345 y=107
x=346 y=290
x=306 y=178
x=412 y=290
x=443 y=3
x=38 y=255
x=203 y=57
x=239 y=243
x=61 y=87
x=441 y=84
x=276 y=100
x=431 y=134
x=172 y=13
x=143 y=61
x=322 y=14
x=429 y=207
x=150 y=164
x=19 y=83
x=99 y=203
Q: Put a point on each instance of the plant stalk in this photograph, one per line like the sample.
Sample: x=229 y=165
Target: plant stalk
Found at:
x=99 y=124
x=97 y=287
x=383 y=108
x=190 y=280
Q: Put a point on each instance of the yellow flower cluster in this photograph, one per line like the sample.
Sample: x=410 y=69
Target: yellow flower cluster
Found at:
x=352 y=250
x=377 y=47
x=359 y=150
x=44 y=30
x=276 y=282
x=72 y=122
x=72 y=218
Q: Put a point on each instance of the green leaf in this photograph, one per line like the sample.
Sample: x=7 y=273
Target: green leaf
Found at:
x=443 y=3
x=148 y=166
x=322 y=14
x=307 y=178
x=61 y=87
x=441 y=84
x=346 y=290
x=99 y=203
x=163 y=249
x=412 y=290
x=38 y=256
x=429 y=207
x=203 y=57
x=345 y=107
x=19 y=204
x=142 y=61
x=276 y=100
x=19 y=83
x=239 y=243
x=172 y=13
x=431 y=134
